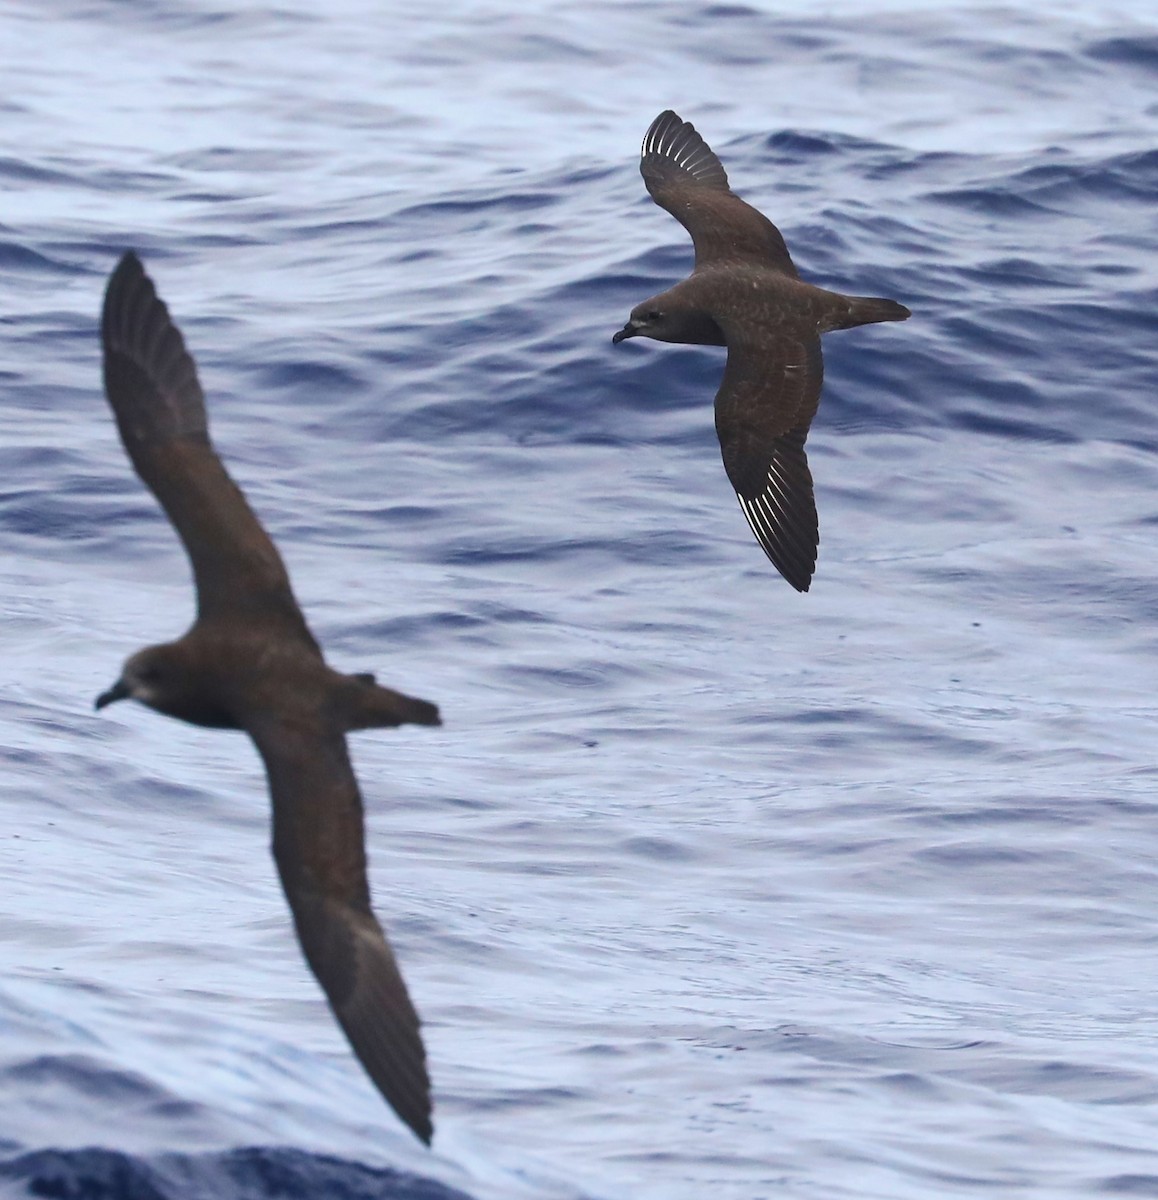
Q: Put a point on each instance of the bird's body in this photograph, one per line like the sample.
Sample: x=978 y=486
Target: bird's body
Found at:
x=250 y=663
x=221 y=673
x=745 y=293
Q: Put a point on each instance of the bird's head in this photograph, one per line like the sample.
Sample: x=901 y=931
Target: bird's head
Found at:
x=165 y=679
x=151 y=676
x=649 y=319
x=669 y=317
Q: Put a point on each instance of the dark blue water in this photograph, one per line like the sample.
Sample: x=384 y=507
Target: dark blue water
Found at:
x=705 y=888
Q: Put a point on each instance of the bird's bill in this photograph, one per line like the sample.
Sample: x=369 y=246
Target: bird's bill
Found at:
x=629 y=330
x=119 y=691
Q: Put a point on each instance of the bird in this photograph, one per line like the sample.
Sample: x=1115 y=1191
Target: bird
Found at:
x=249 y=662
x=745 y=293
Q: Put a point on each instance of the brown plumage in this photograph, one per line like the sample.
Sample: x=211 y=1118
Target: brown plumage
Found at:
x=745 y=293
x=249 y=662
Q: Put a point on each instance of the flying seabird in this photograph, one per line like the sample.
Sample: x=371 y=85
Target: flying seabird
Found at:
x=249 y=662
x=745 y=293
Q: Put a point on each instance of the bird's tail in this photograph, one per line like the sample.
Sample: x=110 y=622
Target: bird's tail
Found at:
x=367 y=705
x=867 y=310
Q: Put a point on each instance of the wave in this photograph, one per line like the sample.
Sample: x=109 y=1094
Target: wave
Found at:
x=250 y=1173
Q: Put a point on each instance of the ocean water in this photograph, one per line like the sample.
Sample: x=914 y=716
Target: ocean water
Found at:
x=705 y=888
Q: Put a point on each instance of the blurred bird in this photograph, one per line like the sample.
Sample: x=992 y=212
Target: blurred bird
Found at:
x=249 y=662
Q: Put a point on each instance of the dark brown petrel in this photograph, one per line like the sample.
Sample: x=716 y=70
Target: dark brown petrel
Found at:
x=249 y=662
x=744 y=293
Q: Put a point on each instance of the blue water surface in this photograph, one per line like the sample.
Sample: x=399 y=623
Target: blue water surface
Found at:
x=705 y=888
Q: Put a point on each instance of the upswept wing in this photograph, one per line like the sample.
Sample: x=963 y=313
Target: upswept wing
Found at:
x=151 y=382
x=318 y=844
x=684 y=176
x=764 y=407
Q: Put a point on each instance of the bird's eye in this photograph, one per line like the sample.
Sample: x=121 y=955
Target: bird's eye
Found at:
x=654 y=315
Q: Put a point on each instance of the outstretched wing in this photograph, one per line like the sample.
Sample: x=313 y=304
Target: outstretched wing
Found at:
x=151 y=383
x=764 y=407
x=318 y=844
x=685 y=177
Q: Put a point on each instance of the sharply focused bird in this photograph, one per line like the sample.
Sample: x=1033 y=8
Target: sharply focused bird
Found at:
x=249 y=662
x=745 y=293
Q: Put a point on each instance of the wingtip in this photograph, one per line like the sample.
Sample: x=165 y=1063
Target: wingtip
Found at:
x=150 y=377
x=789 y=547
x=671 y=142
x=667 y=121
x=126 y=276
x=415 y=1112
x=798 y=583
x=798 y=576
x=130 y=302
x=129 y=260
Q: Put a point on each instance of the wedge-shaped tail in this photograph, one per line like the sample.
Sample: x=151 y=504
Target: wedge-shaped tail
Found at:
x=366 y=704
x=868 y=310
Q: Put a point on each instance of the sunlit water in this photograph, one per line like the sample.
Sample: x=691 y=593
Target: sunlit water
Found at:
x=705 y=888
